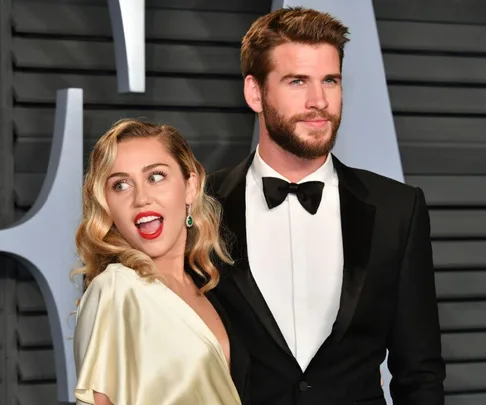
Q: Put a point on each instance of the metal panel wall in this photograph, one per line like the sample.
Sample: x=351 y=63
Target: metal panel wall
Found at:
x=435 y=58
x=193 y=82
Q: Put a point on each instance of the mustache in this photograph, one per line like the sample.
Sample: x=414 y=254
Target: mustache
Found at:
x=315 y=115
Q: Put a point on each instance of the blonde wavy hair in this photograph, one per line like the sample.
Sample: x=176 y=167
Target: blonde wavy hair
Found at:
x=99 y=243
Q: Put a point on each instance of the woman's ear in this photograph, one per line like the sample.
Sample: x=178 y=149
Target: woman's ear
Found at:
x=191 y=188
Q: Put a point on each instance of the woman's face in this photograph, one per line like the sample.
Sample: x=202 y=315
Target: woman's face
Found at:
x=147 y=196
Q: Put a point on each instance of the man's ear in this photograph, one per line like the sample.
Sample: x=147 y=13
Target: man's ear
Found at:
x=253 y=94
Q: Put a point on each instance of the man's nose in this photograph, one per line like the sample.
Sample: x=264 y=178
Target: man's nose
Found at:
x=316 y=98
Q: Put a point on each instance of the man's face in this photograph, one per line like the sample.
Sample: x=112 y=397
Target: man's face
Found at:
x=302 y=98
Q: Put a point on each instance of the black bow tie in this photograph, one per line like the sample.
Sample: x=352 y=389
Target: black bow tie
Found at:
x=309 y=193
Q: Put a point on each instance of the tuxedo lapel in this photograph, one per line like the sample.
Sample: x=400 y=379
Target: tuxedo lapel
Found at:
x=357 y=223
x=232 y=196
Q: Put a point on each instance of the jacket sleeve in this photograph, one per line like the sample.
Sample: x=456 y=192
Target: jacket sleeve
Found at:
x=414 y=345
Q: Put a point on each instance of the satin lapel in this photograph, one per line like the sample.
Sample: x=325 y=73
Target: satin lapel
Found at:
x=357 y=223
x=232 y=195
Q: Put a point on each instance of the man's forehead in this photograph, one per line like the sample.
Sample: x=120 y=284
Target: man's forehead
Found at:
x=304 y=59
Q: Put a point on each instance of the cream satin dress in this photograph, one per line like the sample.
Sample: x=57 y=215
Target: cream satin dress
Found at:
x=139 y=343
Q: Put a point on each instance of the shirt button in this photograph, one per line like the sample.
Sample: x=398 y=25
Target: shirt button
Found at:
x=303 y=386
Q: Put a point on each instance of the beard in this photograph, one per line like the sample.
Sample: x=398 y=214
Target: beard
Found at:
x=282 y=131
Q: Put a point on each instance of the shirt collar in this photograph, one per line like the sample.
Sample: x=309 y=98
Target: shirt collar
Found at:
x=326 y=173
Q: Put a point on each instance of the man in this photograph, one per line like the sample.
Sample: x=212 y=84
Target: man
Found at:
x=333 y=265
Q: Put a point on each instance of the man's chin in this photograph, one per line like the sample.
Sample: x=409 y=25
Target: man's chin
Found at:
x=316 y=150
x=306 y=152
x=319 y=147
x=315 y=137
x=306 y=144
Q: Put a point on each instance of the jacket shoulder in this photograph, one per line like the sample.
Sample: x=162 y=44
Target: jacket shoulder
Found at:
x=385 y=190
x=214 y=180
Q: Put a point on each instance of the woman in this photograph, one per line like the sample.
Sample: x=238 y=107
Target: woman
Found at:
x=148 y=330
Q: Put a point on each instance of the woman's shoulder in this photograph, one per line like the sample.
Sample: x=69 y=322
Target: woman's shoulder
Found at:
x=115 y=273
x=112 y=283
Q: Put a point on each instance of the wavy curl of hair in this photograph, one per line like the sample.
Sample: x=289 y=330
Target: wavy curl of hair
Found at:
x=99 y=243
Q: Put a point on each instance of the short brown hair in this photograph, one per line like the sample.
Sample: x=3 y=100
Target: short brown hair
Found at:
x=293 y=24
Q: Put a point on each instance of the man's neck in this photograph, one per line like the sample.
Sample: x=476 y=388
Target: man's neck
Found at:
x=285 y=163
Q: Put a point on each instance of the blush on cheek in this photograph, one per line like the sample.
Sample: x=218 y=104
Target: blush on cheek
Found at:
x=125 y=232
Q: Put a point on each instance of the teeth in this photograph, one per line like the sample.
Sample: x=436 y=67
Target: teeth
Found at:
x=144 y=220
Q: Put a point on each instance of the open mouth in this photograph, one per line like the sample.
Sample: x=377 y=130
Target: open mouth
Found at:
x=149 y=224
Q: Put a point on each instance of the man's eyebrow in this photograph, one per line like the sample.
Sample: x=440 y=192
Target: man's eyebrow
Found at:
x=294 y=76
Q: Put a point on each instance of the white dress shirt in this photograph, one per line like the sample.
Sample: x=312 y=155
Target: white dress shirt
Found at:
x=297 y=258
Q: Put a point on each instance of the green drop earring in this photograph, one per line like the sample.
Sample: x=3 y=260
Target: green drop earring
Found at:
x=189 y=221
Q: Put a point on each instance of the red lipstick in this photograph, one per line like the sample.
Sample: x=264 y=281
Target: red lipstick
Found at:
x=149 y=224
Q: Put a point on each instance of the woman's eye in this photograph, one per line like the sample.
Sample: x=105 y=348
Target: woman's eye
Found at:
x=156 y=177
x=120 y=186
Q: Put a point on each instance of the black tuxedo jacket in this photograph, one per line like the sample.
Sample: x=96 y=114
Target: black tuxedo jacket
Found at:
x=387 y=301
